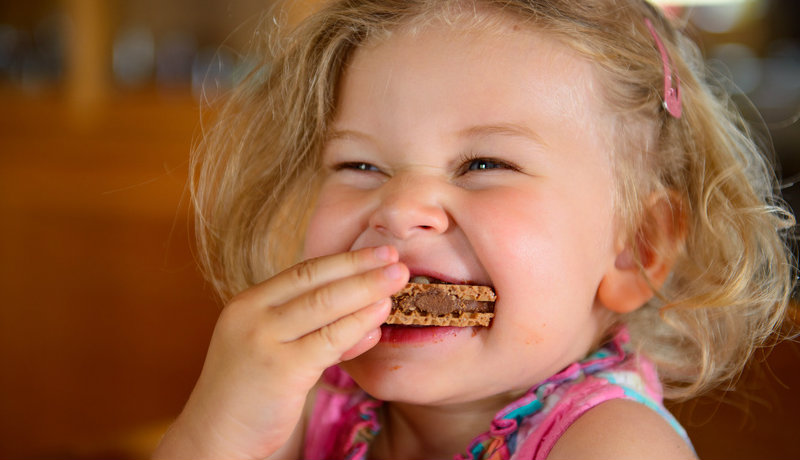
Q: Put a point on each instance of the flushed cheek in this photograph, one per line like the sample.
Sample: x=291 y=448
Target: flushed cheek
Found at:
x=515 y=238
x=543 y=237
x=536 y=265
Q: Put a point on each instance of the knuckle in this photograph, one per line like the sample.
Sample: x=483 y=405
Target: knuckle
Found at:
x=239 y=309
x=234 y=326
x=321 y=299
x=234 y=310
x=305 y=272
x=237 y=302
x=327 y=335
x=354 y=257
x=243 y=319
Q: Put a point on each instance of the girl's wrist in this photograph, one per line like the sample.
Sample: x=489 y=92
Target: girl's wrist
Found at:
x=182 y=441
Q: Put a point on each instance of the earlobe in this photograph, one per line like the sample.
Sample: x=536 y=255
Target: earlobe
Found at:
x=642 y=266
x=628 y=285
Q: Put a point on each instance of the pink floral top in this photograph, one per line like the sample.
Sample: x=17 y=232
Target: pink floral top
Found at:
x=345 y=419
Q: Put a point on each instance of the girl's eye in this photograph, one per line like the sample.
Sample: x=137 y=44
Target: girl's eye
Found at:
x=358 y=166
x=476 y=165
x=483 y=164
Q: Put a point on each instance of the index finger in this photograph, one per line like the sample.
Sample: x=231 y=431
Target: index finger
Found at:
x=313 y=273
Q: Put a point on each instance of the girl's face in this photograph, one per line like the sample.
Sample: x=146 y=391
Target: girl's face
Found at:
x=479 y=156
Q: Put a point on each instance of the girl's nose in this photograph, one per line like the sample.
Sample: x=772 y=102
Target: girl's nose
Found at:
x=408 y=208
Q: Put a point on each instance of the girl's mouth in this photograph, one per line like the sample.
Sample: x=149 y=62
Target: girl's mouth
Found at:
x=425 y=303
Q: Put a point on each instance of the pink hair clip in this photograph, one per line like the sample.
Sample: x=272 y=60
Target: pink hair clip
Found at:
x=672 y=95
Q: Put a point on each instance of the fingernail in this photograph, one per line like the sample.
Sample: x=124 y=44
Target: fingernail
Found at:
x=384 y=253
x=373 y=335
x=393 y=272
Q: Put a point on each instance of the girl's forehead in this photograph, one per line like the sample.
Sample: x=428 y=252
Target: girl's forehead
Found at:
x=488 y=35
x=531 y=61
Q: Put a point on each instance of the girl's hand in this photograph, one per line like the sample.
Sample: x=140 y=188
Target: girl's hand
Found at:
x=270 y=346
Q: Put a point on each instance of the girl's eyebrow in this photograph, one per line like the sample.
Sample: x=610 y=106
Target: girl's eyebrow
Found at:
x=347 y=134
x=502 y=129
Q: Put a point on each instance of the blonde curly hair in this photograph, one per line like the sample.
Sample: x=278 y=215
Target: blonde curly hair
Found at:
x=254 y=172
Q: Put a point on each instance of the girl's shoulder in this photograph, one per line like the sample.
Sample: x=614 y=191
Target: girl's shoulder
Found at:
x=621 y=428
x=613 y=394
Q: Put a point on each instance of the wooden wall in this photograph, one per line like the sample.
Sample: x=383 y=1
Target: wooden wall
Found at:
x=104 y=317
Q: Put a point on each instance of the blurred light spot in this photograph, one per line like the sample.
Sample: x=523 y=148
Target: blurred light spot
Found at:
x=741 y=70
x=175 y=56
x=719 y=18
x=673 y=12
x=50 y=42
x=246 y=66
x=9 y=42
x=780 y=91
x=134 y=53
x=33 y=58
x=212 y=72
x=695 y=2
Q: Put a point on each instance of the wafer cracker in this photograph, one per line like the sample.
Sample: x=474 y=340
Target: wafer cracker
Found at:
x=418 y=318
x=462 y=291
x=432 y=304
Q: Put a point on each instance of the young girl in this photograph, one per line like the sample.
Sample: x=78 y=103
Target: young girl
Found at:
x=569 y=154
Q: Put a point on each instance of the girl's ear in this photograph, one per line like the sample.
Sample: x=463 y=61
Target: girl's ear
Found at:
x=641 y=267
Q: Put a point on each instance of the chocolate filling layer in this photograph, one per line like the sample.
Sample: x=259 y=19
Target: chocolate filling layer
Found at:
x=436 y=301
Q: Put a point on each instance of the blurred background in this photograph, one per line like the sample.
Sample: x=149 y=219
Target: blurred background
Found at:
x=105 y=318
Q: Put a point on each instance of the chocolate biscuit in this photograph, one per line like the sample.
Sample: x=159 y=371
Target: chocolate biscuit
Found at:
x=443 y=305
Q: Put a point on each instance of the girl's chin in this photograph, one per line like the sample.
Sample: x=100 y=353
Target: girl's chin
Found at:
x=407 y=355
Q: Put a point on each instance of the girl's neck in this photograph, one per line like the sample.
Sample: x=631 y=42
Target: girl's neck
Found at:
x=434 y=432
